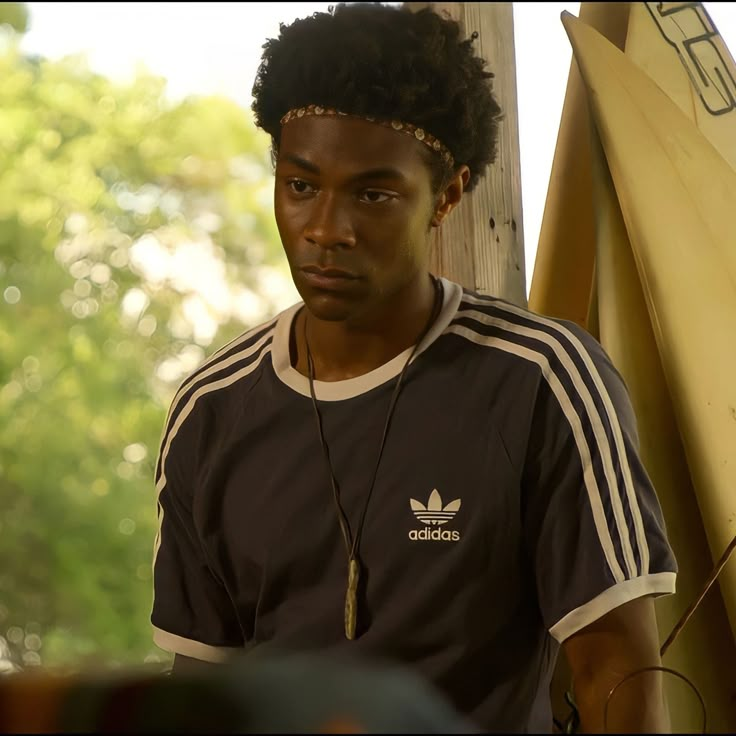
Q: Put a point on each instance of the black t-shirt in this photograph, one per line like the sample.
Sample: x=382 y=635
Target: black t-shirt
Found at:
x=510 y=509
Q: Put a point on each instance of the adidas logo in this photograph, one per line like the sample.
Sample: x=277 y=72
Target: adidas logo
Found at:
x=434 y=514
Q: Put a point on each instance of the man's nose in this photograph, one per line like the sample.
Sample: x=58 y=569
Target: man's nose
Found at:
x=329 y=224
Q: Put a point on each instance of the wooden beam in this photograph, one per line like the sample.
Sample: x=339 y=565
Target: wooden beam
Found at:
x=481 y=246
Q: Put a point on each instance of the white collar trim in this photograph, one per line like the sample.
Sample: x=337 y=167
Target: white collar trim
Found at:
x=351 y=387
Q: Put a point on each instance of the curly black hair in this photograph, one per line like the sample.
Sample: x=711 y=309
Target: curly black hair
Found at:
x=390 y=63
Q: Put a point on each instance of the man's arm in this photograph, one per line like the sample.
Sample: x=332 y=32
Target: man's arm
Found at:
x=602 y=654
x=193 y=612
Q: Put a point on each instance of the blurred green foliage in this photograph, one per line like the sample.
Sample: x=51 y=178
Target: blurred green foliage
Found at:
x=103 y=188
x=14 y=15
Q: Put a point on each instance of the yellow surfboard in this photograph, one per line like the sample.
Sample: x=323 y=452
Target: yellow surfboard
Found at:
x=563 y=268
x=674 y=190
x=705 y=651
x=680 y=49
x=678 y=46
x=677 y=195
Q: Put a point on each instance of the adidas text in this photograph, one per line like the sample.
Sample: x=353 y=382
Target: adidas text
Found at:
x=438 y=535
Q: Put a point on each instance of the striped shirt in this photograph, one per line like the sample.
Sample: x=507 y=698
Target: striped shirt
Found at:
x=511 y=508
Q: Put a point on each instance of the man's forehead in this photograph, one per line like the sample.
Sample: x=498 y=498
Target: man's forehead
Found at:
x=348 y=142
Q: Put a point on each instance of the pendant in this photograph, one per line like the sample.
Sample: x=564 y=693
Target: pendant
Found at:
x=351 y=599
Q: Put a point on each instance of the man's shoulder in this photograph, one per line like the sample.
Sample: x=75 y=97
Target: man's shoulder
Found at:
x=249 y=345
x=233 y=364
x=198 y=404
x=517 y=324
x=506 y=309
x=560 y=352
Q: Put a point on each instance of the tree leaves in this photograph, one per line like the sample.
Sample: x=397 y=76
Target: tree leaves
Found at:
x=14 y=15
x=91 y=172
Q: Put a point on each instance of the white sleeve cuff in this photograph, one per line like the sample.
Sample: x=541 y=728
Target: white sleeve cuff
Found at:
x=190 y=648
x=661 y=583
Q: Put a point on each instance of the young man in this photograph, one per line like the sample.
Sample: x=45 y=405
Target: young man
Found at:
x=399 y=468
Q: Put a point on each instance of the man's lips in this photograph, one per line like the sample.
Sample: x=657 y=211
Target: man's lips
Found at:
x=330 y=273
x=329 y=279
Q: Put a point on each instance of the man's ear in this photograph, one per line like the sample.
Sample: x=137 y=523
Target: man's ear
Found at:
x=451 y=195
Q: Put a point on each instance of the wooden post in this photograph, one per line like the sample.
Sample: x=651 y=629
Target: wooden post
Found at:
x=481 y=246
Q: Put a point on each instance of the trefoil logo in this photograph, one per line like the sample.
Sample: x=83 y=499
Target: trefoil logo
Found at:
x=434 y=514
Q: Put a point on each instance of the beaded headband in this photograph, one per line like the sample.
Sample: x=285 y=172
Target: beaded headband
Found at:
x=413 y=130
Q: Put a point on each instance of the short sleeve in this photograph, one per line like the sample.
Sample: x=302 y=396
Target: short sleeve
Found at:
x=593 y=527
x=192 y=612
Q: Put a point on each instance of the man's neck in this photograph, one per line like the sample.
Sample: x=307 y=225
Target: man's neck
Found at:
x=341 y=351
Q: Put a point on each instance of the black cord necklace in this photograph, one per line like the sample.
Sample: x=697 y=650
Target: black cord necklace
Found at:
x=352 y=542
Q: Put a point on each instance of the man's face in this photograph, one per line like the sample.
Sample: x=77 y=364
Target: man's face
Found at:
x=353 y=204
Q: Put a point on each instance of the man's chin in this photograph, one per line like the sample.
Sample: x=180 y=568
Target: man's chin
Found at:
x=329 y=309
x=331 y=306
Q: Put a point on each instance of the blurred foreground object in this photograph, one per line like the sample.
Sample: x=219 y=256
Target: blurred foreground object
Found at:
x=256 y=694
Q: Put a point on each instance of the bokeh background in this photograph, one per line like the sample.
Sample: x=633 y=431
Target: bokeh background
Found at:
x=136 y=237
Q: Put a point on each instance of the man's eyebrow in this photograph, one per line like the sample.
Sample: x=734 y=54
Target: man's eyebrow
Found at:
x=302 y=163
x=384 y=172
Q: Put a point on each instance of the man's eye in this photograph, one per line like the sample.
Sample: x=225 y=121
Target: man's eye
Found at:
x=373 y=196
x=298 y=186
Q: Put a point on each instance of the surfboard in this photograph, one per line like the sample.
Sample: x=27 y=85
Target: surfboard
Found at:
x=678 y=46
x=564 y=262
x=673 y=188
x=677 y=194
x=705 y=651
